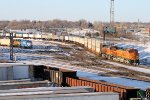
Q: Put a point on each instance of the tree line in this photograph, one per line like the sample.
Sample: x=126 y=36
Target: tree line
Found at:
x=57 y=23
x=27 y=24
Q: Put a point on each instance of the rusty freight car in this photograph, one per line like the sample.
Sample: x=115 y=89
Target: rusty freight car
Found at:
x=55 y=75
x=125 y=92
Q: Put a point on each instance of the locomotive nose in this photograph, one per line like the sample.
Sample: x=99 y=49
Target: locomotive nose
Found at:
x=29 y=43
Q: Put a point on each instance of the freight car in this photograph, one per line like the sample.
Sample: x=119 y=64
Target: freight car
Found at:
x=37 y=36
x=25 y=35
x=125 y=93
x=68 y=78
x=17 y=43
x=8 y=34
x=4 y=42
x=19 y=35
x=124 y=55
x=55 y=75
x=31 y=36
x=127 y=55
x=94 y=45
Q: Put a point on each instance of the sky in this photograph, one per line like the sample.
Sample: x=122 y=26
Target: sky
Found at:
x=91 y=10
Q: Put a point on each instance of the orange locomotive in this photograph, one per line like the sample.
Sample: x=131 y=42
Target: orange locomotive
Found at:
x=128 y=55
x=17 y=43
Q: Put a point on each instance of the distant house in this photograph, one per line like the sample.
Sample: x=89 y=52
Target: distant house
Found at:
x=132 y=30
x=145 y=30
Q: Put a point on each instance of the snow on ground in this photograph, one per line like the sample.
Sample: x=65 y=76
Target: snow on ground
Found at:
x=59 y=64
x=33 y=56
x=139 y=34
x=91 y=74
x=144 y=70
x=116 y=80
x=88 y=73
x=36 y=56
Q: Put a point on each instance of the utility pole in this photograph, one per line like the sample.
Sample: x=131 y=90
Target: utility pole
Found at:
x=104 y=33
x=11 y=47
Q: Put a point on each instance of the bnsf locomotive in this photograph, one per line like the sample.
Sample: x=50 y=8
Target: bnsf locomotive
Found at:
x=124 y=55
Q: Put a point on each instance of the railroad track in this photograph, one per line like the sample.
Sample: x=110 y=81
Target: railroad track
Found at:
x=88 y=68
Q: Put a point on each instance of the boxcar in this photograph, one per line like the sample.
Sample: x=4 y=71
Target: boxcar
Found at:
x=55 y=37
x=37 y=36
x=19 y=35
x=93 y=45
x=45 y=36
x=4 y=42
x=25 y=35
x=85 y=42
x=70 y=38
x=90 y=44
x=62 y=38
x=1 y=34
x=31 y=36
x=98 y=46
x=66 y=38
x=7 y=34
x=81 y=41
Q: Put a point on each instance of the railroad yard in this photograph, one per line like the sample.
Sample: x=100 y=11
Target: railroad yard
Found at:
x=93 y=68
x=72 y=61
x=74 y=50
x=68 y=55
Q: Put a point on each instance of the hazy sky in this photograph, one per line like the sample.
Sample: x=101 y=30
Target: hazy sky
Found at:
x=92 y=10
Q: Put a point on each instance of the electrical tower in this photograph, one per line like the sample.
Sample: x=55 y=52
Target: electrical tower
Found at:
x=111 y=29
x=112 y=13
